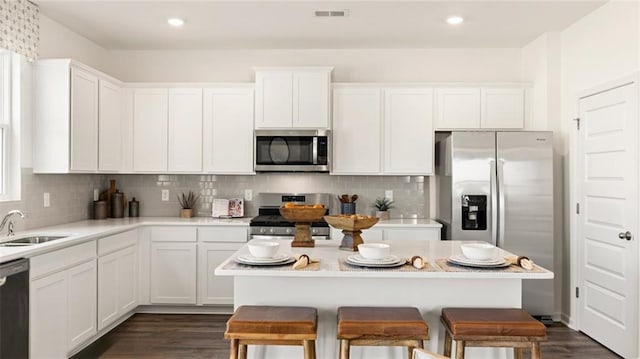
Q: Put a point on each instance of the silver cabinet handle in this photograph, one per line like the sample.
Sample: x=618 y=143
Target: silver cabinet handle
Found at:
x=3 y=280
x=625 y=235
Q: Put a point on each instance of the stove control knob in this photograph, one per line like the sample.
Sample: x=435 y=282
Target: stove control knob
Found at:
x=289 y=230
x=272 y=230
x=263 y=230
x=314 y=230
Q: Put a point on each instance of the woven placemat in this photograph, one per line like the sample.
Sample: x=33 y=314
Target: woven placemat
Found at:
x=287 y=267
x=450 y=267
x=346 y=267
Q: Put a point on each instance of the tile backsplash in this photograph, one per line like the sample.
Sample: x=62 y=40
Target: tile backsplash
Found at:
x=71 y=195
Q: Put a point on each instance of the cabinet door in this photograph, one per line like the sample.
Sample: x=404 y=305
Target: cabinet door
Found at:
x=502 y=108
x=228 y=130
x=173 y=273
x=429 y=234
x=107 y=289
x=458 y=108
x=311 y=99
x=274 y=99
x=81 y=304
x=48 y=317
x=211 y=288
x=109 y=127
x=150 y=111
x=84 y=121
x=408 y=131
x=127 y=279
x=356 y=131
x=185 y=130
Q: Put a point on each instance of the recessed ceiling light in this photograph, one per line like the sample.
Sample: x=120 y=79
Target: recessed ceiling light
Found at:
x=455 y=20
x=175 y=22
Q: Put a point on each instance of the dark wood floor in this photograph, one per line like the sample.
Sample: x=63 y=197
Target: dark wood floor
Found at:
x=201 y=336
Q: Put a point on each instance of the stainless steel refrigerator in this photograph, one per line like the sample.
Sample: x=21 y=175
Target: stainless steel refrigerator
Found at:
x=498 y=187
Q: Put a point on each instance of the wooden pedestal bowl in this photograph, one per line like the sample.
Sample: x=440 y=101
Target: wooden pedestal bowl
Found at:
x=303 y=216
x=351 y=226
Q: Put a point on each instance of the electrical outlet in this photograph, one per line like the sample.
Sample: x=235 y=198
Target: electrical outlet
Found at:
x=388 y=194
x=47 y=199
x=165 y=195
x=248 y=195
x=95 y=194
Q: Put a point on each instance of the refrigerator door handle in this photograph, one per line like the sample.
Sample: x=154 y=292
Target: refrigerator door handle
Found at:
x=494 y=202
x=501 y=205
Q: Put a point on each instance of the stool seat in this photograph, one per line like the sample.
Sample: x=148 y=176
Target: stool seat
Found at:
x=273 y=320
x=492 y=322
x=372 y=322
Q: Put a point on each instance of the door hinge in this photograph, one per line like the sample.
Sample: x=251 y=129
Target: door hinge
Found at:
x=577 y=119
x=577 y=208
x=577 y=292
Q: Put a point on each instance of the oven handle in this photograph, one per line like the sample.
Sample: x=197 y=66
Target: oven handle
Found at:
x=315 y=150
x=276 y=238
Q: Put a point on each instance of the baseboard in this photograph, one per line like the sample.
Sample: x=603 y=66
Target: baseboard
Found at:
x=568 y=321
x=185 y=309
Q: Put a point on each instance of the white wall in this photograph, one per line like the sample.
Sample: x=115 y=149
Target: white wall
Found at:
x=603 y=46
x=355 y=65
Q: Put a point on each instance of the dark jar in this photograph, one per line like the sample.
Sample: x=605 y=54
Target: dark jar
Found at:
x=117 y=205
x=134 y=208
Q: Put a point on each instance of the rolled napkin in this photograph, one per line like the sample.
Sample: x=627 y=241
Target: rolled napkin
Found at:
x=521 y=261
x=303 y=260
x=417 y=261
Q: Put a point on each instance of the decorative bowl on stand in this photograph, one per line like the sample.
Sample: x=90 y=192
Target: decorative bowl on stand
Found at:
x=303 y=216
x=351 y=226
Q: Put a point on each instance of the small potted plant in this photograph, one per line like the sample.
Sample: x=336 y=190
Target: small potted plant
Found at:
x=187 y=202
x=382 y=207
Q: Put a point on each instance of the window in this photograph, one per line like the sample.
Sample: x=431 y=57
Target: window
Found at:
x=9 y=128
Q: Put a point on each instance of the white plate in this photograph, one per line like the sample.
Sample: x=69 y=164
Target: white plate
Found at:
x=396 y=263
x=278 y=259
x=464 y=261
x=358 y=258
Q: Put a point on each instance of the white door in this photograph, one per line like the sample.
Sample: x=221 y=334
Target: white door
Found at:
x=109 y=127
x=185 y=130
x=173 y=273
x=608 y=180
x=82 y=303
x=48 y=317
x=502 y=108
x=84 y=121
x=127 y=279
x=274 y=99
x=214 y=289
x=107 y=289
x=311 y=99
x=458 y=108
x=150 y=116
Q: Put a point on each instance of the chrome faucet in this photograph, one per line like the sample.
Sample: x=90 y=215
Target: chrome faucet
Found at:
x=6 y=218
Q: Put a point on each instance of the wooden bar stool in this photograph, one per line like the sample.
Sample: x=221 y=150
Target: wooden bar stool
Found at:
x=492 y=327
x=272 y=325
x=380 y=326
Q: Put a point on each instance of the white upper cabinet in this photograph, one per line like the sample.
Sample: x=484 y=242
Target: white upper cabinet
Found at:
x=185 y=130
x=458 y=108
x=382 y=130
x=502 y=108
x=65 y=123
x=110 y=129
x=408 y=131
x=150 y=117
x=292 y=97
x=228 y=130
x=480 y=108
x=357 y=119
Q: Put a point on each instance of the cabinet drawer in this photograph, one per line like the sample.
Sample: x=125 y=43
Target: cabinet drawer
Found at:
x=61 y=259
x=117 y=241
x=173 y=234
x=412 y=233
x=222 y=234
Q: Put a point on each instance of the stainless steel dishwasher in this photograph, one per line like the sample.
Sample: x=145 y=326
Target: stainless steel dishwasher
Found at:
x=14 y=309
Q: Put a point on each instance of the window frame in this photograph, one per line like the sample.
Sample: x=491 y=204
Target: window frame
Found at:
x=10 y=96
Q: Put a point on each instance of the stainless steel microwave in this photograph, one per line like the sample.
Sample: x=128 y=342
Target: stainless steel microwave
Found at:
x=292 y=150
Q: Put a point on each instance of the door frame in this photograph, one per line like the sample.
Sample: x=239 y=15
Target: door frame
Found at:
x=575 y=186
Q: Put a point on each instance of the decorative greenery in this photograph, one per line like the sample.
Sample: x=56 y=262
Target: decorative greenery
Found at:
x=189 y=200
x=383 y=204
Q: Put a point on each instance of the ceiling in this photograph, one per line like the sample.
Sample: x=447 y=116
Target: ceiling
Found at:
x=142 y=25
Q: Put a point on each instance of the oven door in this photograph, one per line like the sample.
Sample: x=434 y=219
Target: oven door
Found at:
x=304 y=150
x=276 y=238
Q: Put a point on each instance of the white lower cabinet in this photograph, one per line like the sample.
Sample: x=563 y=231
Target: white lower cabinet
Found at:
x=214 y=247
x=173 y=273
x=117 y=285
x=377 y=234
x=63 y=308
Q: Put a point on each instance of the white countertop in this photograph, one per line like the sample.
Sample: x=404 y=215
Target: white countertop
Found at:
x=329 y=254
x=409 y=223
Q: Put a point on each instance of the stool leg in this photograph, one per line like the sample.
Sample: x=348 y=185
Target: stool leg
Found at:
x=535 y=351
x=233 y=353
x=344 y=349
x=243 y=351
x=410 y=352
x=309 y=349
x=460 y=349
x=517 y=353
x=447 y=344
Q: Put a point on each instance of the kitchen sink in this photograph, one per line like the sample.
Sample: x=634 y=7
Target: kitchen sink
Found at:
x=27 y=241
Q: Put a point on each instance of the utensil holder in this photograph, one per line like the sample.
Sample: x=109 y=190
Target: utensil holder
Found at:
x=348 y=208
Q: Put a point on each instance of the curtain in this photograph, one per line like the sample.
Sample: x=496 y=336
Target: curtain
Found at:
x=19 y=27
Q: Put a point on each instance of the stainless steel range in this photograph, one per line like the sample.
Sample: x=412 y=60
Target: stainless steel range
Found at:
x=269 y=224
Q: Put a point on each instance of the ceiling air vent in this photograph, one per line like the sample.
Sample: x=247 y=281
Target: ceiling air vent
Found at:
x=331 y=13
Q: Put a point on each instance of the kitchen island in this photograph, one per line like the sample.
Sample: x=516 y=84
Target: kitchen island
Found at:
x=332 y=283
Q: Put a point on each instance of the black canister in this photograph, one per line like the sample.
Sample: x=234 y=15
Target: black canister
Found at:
x=134 y=208
x=117 y=204
x=99 y=209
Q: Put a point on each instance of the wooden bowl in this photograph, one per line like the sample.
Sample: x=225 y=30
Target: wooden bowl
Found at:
x=351 y=222
x=302 y=214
